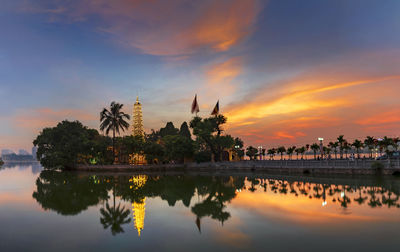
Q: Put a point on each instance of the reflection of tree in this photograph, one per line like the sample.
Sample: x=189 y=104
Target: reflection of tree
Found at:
x=114 y=217
x=360 y=199
x=219 y=192
x=66 y=193
x=373 y=200
x=389 y=201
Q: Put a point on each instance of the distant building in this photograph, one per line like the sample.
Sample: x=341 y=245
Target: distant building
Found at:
x=34 y=151
x=6 y=152
x=23 y=152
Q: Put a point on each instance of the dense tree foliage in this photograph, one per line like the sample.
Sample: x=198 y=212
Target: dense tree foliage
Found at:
x=184 y=131
x=208 y=132
x=65 y=144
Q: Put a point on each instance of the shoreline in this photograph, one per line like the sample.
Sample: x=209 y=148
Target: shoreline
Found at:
x=347 y=167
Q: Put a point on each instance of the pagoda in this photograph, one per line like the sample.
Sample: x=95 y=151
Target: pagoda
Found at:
x=137 y=119
x=137 y=131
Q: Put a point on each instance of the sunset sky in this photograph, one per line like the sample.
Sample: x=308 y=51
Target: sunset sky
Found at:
x=285 y=71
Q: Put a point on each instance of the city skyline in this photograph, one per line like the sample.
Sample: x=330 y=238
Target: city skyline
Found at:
x=284 y=72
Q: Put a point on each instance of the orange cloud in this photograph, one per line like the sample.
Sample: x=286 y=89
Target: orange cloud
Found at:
x=296 y=101
x=220 y=76
x=167 y=28
x=383 y=117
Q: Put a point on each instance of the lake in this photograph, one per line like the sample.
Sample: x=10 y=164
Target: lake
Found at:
x=44 y=210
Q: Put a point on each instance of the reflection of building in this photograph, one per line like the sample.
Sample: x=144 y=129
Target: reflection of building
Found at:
x=137 y=130
x=139 y=211
x=138 y=208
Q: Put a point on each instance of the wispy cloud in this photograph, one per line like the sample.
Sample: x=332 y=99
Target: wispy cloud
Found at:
x=166 y=28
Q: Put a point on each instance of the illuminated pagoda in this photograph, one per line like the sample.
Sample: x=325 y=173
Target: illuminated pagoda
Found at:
x=137 y=130
x=137 y=119
x=138 y=208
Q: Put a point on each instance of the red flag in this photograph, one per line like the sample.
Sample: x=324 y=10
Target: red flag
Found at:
x=216 y=109
x=195 y=105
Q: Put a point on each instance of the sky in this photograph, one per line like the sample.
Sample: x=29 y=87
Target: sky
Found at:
x=285 y=71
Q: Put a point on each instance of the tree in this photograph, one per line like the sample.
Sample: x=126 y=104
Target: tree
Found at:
x=315 y=148
x=357 y=144
x=346 y=148
x=271 y=153
x=251 y=152
x=370 y=142
x=341 y=142
x=113 y=119
x=334 y=146
x=290 y=151
x=61 y=146
x=387 y=144
x=208 y=131
x=238 y=147
x=327 y=150
x=169 y=130
x=154 y=152
x=302 y=151
x=177 y=148
x=184 y=131
x=281 y=150
x=127 y=145
x=298 y=151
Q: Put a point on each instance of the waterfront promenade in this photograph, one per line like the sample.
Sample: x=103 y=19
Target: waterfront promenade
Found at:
x=360 y=166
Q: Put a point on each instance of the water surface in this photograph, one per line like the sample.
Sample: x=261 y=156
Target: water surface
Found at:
x=47 y=211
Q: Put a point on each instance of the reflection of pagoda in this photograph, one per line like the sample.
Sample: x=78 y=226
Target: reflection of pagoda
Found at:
x=139 y=211
x=138 y=208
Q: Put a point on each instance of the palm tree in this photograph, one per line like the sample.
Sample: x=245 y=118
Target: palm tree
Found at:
x=271 y=153
x=346 y=148
x=290 y=151
x=341 y=142
x=113 y=119
x=385 y=143
x=302 y=151
x=315 y=148
x=370 y=142
x=327 y=150
x=334 y=146
x=298 y=151
x=357 y=144
x=281 y=150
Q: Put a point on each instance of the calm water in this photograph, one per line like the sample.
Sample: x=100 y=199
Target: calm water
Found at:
x=48 y=211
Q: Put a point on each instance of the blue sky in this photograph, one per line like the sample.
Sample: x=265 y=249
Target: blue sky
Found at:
x=284 y=71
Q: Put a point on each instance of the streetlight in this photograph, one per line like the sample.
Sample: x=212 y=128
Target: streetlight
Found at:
x=260 y=151
x=321 y=146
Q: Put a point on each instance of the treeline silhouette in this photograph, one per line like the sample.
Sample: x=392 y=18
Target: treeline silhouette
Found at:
x=340 y=148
